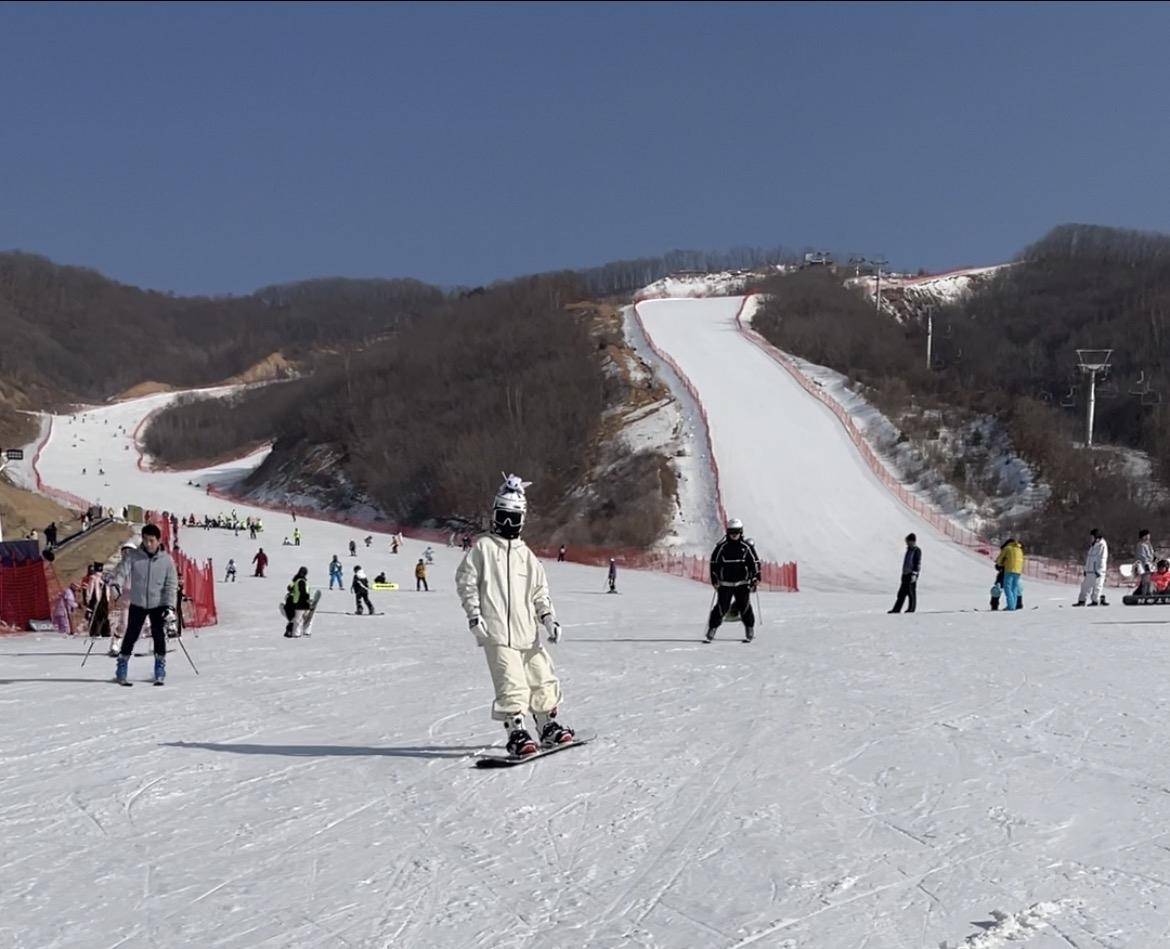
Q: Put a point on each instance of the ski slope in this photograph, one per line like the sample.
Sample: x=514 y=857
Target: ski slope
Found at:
x=851 y=779
x=788 y=468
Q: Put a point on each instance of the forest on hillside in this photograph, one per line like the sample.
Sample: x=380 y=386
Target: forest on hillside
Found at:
x=82 y=336
x=1009 y=350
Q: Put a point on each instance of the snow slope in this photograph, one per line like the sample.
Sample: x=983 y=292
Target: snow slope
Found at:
x=850 y=780
x=788 y=468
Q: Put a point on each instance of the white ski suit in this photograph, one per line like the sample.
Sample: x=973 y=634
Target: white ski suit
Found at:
x=1096 y=560
x=502 y=585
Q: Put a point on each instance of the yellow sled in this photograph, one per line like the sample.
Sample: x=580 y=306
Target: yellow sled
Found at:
x=383 y=586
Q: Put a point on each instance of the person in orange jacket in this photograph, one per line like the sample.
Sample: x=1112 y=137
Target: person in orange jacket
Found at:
x=420 y=576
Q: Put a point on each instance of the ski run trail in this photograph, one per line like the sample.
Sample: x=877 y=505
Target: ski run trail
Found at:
x=851 y=780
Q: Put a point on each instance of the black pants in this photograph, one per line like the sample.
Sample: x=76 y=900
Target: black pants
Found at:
x=742 y=598
x=361 y=597
x=420 y=583
x=908 y=590
x=134 y=621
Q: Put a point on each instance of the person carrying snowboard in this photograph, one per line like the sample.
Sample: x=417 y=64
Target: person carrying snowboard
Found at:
x=735 y=572
x=1096 y=562
x=154 y=591
x=261 y=561
x=335 y=574
x=360 y=588
x=504 y=593
x=230 y=574
x=1145 y=562
x=297 y=604
x=612 y=575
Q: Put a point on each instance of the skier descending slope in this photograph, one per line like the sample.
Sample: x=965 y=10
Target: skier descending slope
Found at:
x=735 y=572
x=504 y=593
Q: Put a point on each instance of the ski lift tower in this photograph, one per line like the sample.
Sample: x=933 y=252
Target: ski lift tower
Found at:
x=1093 y=363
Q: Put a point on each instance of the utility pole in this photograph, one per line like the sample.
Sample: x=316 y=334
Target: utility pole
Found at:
x=1092 y=362
x=879 y=263
x=929 y=333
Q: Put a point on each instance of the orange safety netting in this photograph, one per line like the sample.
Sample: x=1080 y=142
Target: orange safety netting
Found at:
x=24 y=594
x=197 y=580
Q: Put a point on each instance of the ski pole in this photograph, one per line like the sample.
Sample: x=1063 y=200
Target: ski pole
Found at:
x=187 y=654
x=759 y=611
x=88 y=651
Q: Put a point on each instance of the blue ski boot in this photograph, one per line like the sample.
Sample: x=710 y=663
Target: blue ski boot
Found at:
x=120 y=671
x=160 y=669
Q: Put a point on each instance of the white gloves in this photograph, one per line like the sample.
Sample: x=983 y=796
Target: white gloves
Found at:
x=551 y=627
x=477 y=631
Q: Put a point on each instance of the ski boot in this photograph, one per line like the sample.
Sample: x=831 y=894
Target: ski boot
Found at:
x=160 y=669
x=711 y=634
x=121 y=669
x=749 y=633
x=1079 y=603
x=552 y=732
x=520 y=743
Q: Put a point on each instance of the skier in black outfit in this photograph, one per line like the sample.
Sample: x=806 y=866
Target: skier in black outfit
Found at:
x=360 y=588
x=911 y=565
x=735 y=572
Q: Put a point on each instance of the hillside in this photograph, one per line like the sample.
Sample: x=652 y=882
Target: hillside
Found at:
x=85 y=337
x=1004 y=348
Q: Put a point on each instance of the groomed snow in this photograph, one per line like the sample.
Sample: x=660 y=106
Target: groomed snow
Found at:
x=851 y=779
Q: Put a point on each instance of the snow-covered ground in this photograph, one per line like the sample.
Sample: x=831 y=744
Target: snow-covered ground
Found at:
x=851 y=779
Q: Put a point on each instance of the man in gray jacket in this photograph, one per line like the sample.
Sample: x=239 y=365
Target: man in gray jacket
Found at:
x=154 y=587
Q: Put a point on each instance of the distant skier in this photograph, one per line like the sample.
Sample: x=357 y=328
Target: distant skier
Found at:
x=612 y=575
x=297 y=603
x=504 y=592
x=261 y=561
x=561 y=554
x=353 y=548
x=369 y=540
x=394 y=544
x=1145 y=562
x=51 y=534
x=230 y=575
x=735 y=572
x=360 y=588
x=911 y=566
x=154 y=591
x=335 y=574
x=429 y=555
x=296 y=537
x=420 y=577
x=1096 y=563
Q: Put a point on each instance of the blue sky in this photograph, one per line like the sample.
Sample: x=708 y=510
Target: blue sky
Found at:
x=218 y=148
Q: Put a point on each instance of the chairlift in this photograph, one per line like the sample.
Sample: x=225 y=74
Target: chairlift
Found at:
x=1108 y=390
x=1070 y=399
x=1044 y=396
x=1141 y=387
x=1151 y=398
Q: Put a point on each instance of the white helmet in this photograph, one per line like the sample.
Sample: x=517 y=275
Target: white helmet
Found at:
x=509 y=507
x=735 y=524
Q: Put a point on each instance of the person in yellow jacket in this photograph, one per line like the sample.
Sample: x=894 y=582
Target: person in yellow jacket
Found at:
x=504 y=592
x=1011 y=562
x=420 y=576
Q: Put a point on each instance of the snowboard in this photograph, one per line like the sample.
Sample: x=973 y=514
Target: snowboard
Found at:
x=497 y=760
x=312 y=608
x=1150 y=599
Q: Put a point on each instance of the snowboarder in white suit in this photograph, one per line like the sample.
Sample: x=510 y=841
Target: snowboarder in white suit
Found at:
x=504 y=593
x=1096 y=560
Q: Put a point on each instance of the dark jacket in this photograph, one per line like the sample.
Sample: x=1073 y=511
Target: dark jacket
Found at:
x=734 y=563
x=360 y=585
x=298 y=594
x=912 y=562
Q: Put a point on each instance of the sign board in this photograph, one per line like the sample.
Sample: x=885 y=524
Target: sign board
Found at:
x=42 y=626
x=14 y=454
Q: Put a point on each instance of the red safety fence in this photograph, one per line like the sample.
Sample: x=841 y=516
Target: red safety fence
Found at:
x=24 y=594
x=1036 y=567
x=775 y=576
x=63 y=497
